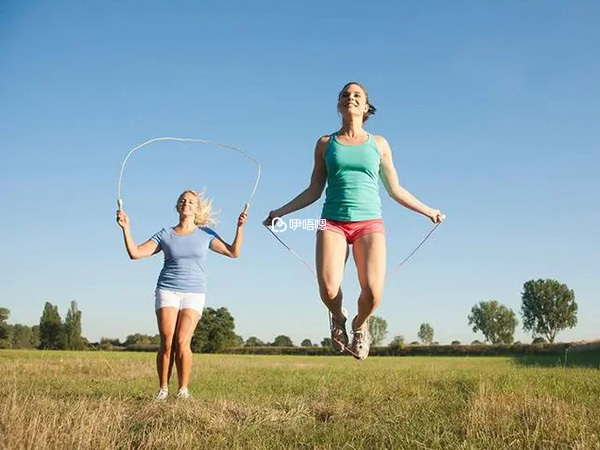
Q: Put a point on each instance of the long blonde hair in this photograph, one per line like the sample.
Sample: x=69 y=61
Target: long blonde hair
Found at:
x=204 y=213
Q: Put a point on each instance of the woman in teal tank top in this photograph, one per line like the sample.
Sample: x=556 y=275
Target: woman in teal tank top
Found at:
x=350 y=163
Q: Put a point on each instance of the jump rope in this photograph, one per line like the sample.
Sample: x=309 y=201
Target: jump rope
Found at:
x=202 y=141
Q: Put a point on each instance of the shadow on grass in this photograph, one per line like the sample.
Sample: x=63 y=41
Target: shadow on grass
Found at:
x=582 y=356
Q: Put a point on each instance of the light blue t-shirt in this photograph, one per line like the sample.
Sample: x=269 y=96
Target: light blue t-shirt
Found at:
x=185 y=257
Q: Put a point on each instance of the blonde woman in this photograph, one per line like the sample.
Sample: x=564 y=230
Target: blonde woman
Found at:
x=181 y=287
x=350 y=162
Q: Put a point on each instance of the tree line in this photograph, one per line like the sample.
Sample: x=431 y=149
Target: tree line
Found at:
x=52 y=333
x=547 y=307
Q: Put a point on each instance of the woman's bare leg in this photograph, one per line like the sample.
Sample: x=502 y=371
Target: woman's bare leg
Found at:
x=167 y=318
x=370 y=258
x=186 y=324
x=331 y=256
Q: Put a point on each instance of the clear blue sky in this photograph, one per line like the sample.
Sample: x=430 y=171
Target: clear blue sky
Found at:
x=492 y=112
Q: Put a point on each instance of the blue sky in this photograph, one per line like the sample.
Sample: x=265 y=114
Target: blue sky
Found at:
x=491 y=111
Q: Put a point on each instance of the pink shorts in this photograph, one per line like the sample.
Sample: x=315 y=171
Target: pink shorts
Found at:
x=353 y=230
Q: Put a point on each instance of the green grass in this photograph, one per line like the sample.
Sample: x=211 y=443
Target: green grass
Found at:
x=104 y=400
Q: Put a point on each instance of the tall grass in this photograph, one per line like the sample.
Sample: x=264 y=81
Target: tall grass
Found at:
x=85 y=400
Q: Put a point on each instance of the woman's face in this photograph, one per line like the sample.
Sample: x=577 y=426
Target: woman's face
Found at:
x=188 y=204
x=353 y=101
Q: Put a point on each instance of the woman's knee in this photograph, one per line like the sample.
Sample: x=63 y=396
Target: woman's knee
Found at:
x=372 y=293
x=166 y=343
x=183 y=344
x=330 y=292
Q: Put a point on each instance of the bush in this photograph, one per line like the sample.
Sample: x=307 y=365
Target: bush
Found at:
x=142 y=348
x=105 y=347
x=416 y=350
x=273 y=350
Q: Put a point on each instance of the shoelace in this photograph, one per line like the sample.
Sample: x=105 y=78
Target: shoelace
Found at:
x=361 y=337
x=183 y=394
x=338 y=333
x=162 y=394
x=343 y=346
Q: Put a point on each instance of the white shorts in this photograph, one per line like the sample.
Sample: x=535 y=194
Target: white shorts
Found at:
x=164 y=298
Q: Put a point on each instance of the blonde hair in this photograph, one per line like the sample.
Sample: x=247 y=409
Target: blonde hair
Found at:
x=371 y=109
x=204 y=213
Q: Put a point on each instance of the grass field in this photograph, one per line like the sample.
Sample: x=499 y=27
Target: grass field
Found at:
x=103 y=400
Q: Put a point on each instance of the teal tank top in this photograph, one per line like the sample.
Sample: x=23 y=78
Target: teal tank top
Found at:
x=352 y=192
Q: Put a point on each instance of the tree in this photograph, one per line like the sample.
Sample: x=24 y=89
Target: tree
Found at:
x=306 y=343
x=134 y=339
x=326 y=342
x=238 y=341
x=51 y=328
x=72 y=329
x=283 y=341
x=377 y=329
x=253 y=341
x=141 y=340
x=547 y=307
x=35 y=338
x=426 y=334
x=455 y=343
x=112 y=342
x=5 y=330
x=215 y=331
x=398 y=341
x=4 y=314
x=495 y=321
x=476 y=342
x=22 y=336
x=538 y=340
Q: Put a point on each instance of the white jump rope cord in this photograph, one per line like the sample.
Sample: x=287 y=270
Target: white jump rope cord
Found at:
x=203 y=141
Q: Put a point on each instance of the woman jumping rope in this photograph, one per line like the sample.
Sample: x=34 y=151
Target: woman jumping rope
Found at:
x=350 y=162
x=181 y=287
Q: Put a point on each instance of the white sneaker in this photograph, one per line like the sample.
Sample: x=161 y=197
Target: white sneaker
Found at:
x=361 y=341
x=339 y=337
x=162 y=395
x=183 y=393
